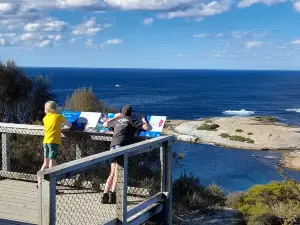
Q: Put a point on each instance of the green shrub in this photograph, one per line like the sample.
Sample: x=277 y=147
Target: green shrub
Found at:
x=224 y=135
x=241 y=139
x=208 y=121
x=239 y=131
x=84 y=99
x=250 y=133
x=233 y=199
x=22 y=98
x=209 y=127
x=279 y=199
x=267 y=119
x=265 y=219
x=190 y=197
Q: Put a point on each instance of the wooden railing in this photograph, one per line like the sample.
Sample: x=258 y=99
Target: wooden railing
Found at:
x=48 y=180
x=160 y=202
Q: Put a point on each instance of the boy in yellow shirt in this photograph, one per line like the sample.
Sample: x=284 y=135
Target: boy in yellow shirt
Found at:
x=52 y=139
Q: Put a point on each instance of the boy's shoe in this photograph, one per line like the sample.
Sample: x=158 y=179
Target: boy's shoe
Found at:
x=105 y=198
x=112 y=198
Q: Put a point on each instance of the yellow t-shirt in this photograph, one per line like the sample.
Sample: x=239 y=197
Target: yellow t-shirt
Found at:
x=52 y=123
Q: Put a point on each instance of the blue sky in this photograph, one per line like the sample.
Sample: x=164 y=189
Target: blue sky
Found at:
x=192 y=34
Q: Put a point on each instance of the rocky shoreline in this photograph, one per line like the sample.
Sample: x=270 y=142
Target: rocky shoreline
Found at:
x=253 y=133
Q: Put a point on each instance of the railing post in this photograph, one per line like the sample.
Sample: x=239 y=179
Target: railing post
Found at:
x=47 y=200
x=6 y=152
x=121 y=189
x=166 y=155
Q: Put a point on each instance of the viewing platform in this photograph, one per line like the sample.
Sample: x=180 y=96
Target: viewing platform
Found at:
x=70 y=193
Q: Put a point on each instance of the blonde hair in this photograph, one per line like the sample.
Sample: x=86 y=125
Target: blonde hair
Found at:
x=51 y=107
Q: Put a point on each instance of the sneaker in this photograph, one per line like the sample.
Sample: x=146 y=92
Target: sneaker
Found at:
x=112 y=198
x=105 y=198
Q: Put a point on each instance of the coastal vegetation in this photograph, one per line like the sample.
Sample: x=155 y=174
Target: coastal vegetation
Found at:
x=239 y=131
x=267 y=119
x=236 y=138
x=273 y=203
x=208 y=127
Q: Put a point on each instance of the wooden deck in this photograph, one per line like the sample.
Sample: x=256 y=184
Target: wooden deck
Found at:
x=19 y=205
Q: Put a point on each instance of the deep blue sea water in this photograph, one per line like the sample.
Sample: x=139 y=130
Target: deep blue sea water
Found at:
x=193 y=94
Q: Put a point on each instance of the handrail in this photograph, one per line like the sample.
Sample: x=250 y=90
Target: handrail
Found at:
x=74 y=167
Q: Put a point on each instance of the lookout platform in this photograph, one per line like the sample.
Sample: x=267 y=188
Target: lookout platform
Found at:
x=70 y=193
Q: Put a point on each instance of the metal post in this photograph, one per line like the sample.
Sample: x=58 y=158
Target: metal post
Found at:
x=6 y=152
x=47 y=200
x=121 y=189
x=166 y=180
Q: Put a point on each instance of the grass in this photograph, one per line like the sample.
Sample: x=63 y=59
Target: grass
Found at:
x=268 y=119
x=241 y=139
x=224 y=135
x=239 y=131
x=209 y=127
x=236 y=138
x=250 y=133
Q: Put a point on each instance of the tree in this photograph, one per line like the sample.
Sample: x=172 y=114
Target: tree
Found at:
x=22 y=98
x=83 y=99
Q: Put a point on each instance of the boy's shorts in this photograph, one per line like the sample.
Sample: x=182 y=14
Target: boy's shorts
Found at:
x=50 y=151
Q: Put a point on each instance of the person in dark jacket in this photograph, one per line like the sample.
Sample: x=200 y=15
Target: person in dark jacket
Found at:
x=125 y=127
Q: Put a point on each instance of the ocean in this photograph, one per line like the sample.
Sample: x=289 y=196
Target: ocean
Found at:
x=191 y=95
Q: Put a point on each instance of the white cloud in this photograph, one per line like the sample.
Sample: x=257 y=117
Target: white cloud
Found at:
x=239 y=34
x=199 y=10
x=47 y=25
x=148 y=21
x=88 y=28
x=219 y=35
x=72 y=40
x=247 y=3
x=44 y=43
x=253 y=44
x=31 y=27
x=31 y=36
x=297 y=6
x=296 y=42
x=2 y=42
x=57 y=37
x=202 y=35
x=113 y=42
x=89 y=43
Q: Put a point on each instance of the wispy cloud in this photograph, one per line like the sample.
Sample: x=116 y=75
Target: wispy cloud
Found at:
x=201 y=35
x=296 y=42
x=297 y=6
x=2 y=42
x=87 y=28
x=148 y=21
x=253 y=44
x=113 y=42
x=247 y=3
x=199 y=10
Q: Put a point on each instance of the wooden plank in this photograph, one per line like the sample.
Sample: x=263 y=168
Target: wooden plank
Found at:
x=159 y=197
x=146 y=214
x=121 y=188
x=74 y=167
x=6 y=152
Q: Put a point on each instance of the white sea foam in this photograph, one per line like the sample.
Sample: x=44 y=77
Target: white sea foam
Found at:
x=241 y=112
x=117 y=85
x=293 y=110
